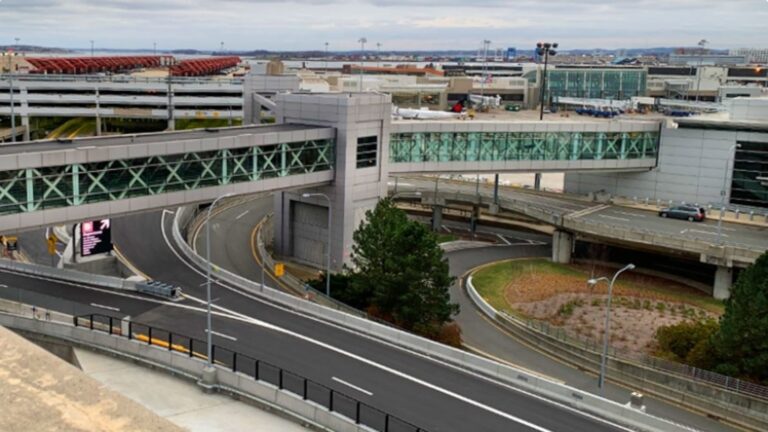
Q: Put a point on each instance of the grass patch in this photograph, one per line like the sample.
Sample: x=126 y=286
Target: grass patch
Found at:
x=538 y=279
x=445 y=238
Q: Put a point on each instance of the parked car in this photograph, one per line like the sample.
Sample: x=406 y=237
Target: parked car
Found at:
x=693 y=214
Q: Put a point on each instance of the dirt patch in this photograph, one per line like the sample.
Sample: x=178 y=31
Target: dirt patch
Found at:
x=634 y=320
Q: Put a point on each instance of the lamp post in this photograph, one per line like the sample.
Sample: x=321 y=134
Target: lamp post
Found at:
x=326 y=58
x=362 y=52
x=545 y=49
x=208 y=277
x=10 y=55
x=91 y=47
x=486 y=45
x=154 y=48
x=702 y=44
x=378 y=54
x=591 y=283
x=328 y=252
x=723 y=192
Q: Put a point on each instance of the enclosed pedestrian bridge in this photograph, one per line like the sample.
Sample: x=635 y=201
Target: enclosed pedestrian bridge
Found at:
x=455 y=147
x=49 y=182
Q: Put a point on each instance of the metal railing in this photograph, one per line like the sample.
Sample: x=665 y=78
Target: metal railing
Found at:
x=259 y=370
x=594 y=345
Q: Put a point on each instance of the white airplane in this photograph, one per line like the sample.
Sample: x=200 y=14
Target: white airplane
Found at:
x=422 y=114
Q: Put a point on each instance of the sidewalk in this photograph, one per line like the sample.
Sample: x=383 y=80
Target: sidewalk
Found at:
x=177 y=400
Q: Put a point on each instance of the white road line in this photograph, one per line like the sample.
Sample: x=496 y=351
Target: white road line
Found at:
x=371 y=363
x=352 y=386
x=3 y=286
x=706 y=232
x=215 y=333
x=446 y=228
x=242 y=214
x=614 y=217
x=630 y=214
x=503 y=239
x=96 y=305
x=168 y=211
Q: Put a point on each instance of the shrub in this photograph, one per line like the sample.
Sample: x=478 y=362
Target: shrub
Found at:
x=681 y=339
x=450 y=334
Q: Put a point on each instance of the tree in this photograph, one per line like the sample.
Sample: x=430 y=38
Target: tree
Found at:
x=400 y=270
x=742 y=340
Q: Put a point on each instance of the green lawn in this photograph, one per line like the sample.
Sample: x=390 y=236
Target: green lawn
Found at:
x=491 y=281
x=445 y=238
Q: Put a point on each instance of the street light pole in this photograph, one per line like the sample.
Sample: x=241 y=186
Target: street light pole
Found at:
x=208 y=277
x=328 y=254
x=486 y=44
x=591 y=283
x=326 y=58
x=545 y=49
x=723 y=192
x=378 y=54
x=10 y=56
x=702 y=44
x=362 y=52
x=154 y=48
x=91 y=47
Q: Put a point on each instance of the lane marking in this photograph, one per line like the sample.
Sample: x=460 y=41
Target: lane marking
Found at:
x=504 y=239
x=222 y=335
x=168 y=211
x=353 y=356
x=630 y=214
x=242 y=214
x=705 y=232
x=352 y=386
x=96 y=305
x=614 y=217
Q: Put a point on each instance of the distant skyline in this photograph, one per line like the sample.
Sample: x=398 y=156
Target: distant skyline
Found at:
x=396 y=24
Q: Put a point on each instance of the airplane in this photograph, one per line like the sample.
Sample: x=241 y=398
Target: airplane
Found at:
x=422 y=114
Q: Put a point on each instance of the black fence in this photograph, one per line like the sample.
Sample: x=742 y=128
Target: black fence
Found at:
x=332 y=400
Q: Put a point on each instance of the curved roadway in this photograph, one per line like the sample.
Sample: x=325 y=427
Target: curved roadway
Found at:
x=231 y=249
x=427 y=393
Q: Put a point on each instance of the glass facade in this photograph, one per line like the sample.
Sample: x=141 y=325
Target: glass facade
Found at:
x=749 y=186
x=596 y=83
x=34 y=189
x=515 y=146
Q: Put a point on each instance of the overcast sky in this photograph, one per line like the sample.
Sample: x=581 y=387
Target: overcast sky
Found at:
x=396 y=24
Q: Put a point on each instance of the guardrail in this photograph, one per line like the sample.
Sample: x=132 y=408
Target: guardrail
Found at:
x=737 y=401
x=67 y=275
x=259 y=370
x=556 y=392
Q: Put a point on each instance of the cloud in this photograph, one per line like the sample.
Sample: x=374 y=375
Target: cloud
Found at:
x=399 y=24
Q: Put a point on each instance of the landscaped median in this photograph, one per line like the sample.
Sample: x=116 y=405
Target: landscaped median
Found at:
x=552 y=307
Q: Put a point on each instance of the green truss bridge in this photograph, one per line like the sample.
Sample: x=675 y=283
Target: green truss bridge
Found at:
x=50 y=182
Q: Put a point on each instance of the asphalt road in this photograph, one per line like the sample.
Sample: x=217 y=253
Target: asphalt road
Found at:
x=620 y=217
x=429 y=394
x=232 y=228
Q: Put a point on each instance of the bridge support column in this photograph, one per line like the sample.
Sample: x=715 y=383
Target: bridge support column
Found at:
x=25 y=125
x=301 y=223
x=437 y=217
x=723 y=282
x=537 y=181
x=562 y=246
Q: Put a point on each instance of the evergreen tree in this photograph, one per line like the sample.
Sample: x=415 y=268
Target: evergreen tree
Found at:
x=742 y=341
x=400 y=270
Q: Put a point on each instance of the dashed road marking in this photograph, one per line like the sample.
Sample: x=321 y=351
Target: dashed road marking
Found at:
x=222 y=335
x=96 y=305
x=615 y=218
x=242 y=214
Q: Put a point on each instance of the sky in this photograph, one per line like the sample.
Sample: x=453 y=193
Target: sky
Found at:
x=395 y=24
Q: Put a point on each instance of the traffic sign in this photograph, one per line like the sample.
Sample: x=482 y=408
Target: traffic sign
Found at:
x=95 y=237
x=279 y=269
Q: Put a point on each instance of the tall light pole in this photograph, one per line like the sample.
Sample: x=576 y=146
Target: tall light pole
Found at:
x=486 y=45
x=362 y=53
x=702 y=44
x=591 y=283
x=154 y=48
x=326 y=58
x=221 y=49
x=91 y=47
x=208 y=277
x=724 y=191
x=378 y=54
x=545 y=49
x=328 y=250
x=10 y=56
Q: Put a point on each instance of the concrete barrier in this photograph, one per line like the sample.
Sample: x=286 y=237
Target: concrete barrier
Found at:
x=739 y=409
x=263 y=394
x=556 y=392
x=67 y=275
